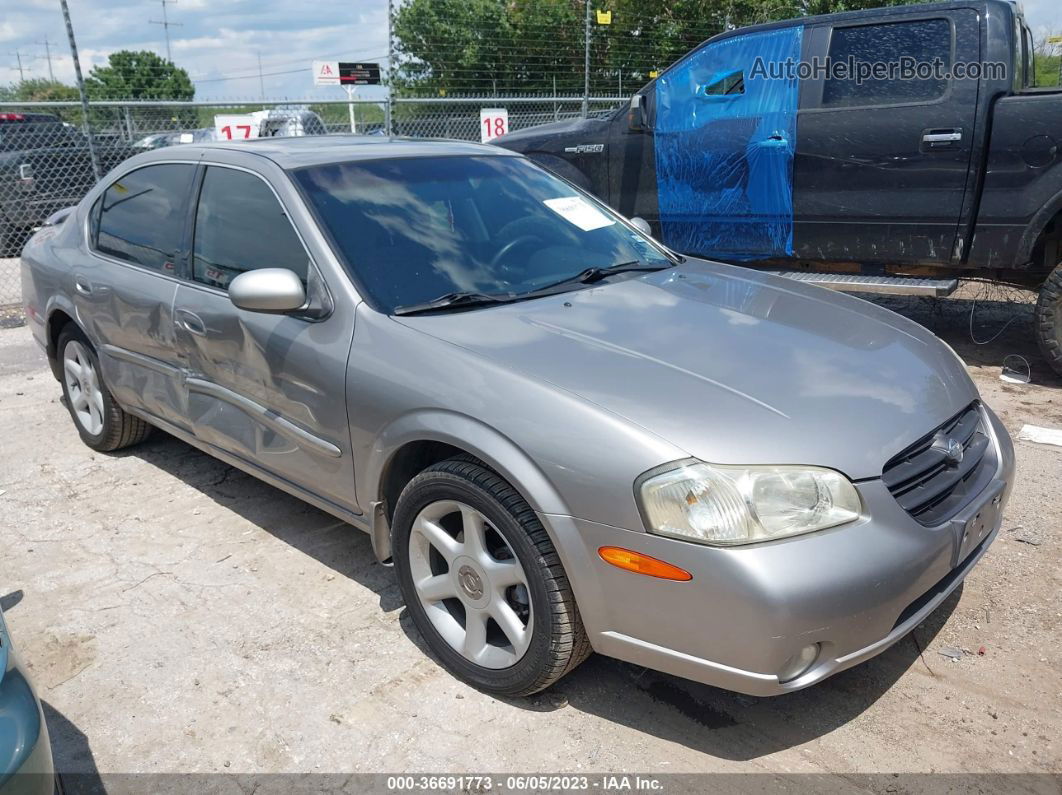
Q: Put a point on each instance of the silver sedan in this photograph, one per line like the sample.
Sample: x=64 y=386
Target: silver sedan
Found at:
x=566 y=437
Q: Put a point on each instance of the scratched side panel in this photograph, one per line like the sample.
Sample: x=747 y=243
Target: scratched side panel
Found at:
x=270 y=388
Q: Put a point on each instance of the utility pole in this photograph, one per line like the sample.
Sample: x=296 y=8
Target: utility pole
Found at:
x=81 y=90
x=166 y=25
x=586 y=66
x=18 y=58
x=261 y=81
x=48 y=55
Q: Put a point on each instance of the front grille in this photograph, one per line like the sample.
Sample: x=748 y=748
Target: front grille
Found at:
x=932 y=483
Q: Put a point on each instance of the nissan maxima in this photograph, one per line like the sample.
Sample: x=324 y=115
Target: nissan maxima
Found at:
x=565 y=437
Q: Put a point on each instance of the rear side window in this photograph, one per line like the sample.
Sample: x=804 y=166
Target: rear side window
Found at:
x=241 y=226
x=141 y=216
x=926 y=41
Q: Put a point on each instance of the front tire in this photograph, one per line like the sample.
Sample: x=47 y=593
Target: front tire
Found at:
x=483 y=582
x=102 y=424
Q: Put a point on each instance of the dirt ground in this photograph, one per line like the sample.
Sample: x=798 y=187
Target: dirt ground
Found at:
x=180 y=616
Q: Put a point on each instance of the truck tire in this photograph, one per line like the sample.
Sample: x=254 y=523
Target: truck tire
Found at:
x=1049 y=319
x=7 y=240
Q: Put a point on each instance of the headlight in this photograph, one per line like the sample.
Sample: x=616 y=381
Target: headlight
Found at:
x=742 y=505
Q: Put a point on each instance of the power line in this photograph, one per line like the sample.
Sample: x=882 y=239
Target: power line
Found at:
x=166 y=25
x=343 y=53
x=263 y=74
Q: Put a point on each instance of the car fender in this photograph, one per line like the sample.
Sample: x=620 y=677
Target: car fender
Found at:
x=562 y=168
x=58 y=302
x=1036 y=227
x=499 y=453
x=468 y=434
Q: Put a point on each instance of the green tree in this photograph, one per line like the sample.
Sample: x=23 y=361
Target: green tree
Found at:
x=41 y=90
x=138 y=75
x=1046 y=62
x=512 y=46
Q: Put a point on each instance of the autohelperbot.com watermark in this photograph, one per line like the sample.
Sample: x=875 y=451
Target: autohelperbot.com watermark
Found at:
x=861 y=71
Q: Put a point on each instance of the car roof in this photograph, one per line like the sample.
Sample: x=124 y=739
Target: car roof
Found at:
x=311 y=150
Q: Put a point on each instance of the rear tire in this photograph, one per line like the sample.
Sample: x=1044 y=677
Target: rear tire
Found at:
x=1049 y=319
x=520 y=580
x=102 y=424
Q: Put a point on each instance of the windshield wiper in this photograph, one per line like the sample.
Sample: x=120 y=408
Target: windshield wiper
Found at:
x=597 y=273
x=458 y=300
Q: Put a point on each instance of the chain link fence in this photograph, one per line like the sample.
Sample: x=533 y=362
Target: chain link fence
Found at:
x=47 y=163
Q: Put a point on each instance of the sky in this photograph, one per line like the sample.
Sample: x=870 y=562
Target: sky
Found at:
x=220 y=42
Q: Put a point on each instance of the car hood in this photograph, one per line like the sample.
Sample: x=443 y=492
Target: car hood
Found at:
x=547 y=131
x=731 y=365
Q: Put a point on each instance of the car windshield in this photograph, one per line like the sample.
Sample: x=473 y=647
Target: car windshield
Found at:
x=413 y=230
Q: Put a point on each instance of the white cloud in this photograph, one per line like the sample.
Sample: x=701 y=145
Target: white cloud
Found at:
x=215 y=39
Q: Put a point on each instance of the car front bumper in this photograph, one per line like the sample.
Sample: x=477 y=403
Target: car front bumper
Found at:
x=855 y=590
x=27 y=753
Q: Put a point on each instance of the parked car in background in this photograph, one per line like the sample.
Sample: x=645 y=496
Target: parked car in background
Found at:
x=285 y=122
x=882 y=184
x=45 y=166
x=566 y=436
x=269 y=123
x=164 y=139
x=25 y=751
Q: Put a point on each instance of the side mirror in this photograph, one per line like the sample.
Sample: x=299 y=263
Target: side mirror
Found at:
x=636 y=114
x=271 y=290
x=642 y=225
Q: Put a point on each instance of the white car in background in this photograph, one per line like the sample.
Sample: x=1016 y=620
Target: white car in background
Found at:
x=268 y=123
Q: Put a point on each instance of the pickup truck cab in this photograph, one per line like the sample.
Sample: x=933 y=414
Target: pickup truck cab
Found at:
x=758 y=147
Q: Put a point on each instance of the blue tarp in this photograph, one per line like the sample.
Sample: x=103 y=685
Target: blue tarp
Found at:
x=724 y=161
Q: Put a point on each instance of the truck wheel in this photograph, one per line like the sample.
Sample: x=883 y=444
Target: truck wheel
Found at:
x=482 y=581
x=1049 y=319
x=101 y=422
x=7 y=241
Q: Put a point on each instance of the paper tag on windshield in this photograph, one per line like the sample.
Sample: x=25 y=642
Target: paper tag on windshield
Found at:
x=577 y=210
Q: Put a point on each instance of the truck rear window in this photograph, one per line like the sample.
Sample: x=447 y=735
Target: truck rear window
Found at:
x=926 y=41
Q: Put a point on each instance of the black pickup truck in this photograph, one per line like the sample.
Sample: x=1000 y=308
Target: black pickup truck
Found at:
x=44 y=166
x=889 y=150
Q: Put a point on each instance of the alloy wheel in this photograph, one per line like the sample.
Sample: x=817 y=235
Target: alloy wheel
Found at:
x=471 y=584
x=83 y=387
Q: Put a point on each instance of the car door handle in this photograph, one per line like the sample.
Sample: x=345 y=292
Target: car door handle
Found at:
x=942 y=136
x=191 y=322
x=82 y=286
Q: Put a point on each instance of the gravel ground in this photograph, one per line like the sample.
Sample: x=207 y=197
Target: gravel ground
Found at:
x=179 y=616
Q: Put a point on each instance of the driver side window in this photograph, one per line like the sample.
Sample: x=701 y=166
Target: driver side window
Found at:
x=239 y=226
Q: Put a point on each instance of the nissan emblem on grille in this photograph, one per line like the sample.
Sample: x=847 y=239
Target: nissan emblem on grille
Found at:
x=954 y=452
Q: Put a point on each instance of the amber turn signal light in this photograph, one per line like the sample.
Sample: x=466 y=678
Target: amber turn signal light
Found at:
x=642 y=564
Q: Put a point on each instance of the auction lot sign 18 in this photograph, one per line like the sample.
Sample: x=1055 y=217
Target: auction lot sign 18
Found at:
x=493 y=122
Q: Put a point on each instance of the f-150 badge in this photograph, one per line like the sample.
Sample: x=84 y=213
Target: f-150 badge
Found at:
x=585 y=149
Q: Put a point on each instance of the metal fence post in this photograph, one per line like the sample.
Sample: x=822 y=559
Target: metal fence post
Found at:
x=586 y=65
x=389 y=107
x=86 y=124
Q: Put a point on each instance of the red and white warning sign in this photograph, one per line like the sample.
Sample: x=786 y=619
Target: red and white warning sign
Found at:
x=325 y=73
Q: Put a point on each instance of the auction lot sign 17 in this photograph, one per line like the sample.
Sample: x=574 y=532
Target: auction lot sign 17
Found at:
x=232 y=127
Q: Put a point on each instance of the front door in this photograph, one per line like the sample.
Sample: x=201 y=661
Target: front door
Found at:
x=882 y=162
x=724 y=133
x=266 y=388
